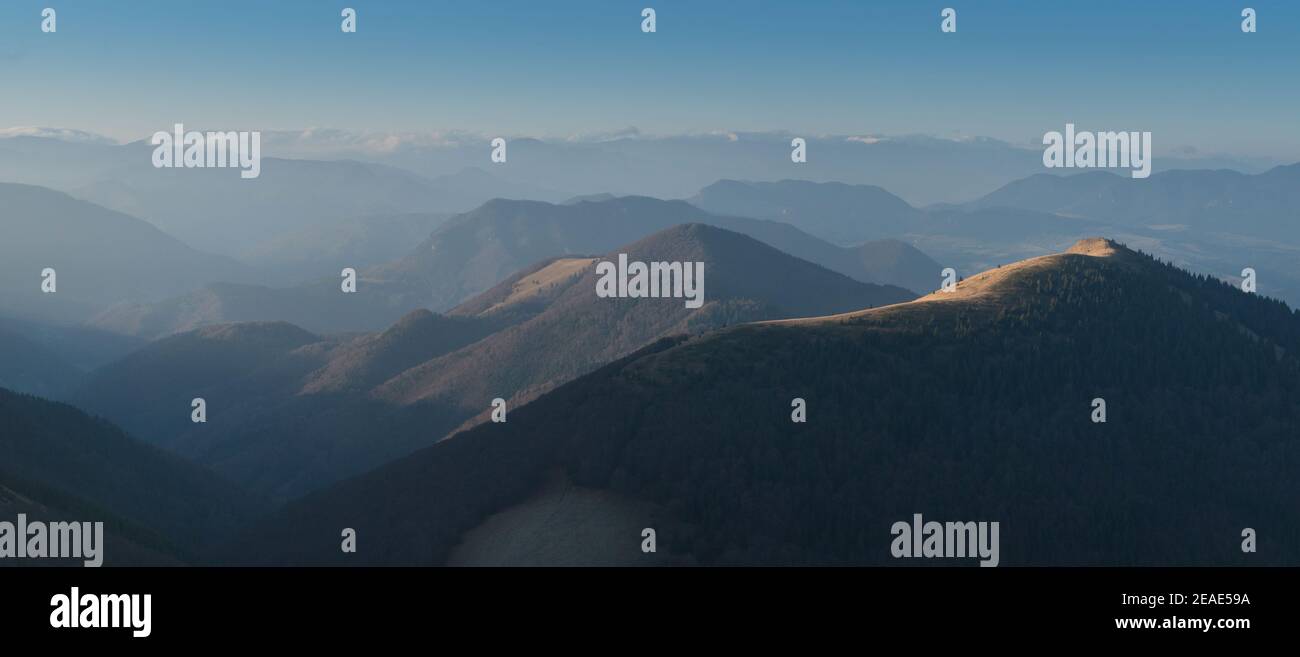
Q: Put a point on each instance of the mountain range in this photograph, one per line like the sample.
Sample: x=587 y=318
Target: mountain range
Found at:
x=291 y=411
x=1262 y=205
x=474 y=251
x=218 y=212
x=923 y=169
x=478 y=285
x=1217 y=221
x=97 y=255
x=975 y=404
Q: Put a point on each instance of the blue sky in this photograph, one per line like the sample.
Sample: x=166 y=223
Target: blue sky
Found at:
x=1181 y=69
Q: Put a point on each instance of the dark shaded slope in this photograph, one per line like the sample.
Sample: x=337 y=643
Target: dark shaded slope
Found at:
x=27 y=366
x=149 y=392
x=64 y=454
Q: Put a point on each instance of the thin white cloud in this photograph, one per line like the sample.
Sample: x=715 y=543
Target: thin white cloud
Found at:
x=64 y=134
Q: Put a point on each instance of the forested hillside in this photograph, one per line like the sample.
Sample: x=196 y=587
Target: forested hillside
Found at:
x=973 y=407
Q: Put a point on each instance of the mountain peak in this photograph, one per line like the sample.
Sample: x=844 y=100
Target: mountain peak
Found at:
x=1100 y=247
x=572 y=330
x=996 y=286
x=411 y=320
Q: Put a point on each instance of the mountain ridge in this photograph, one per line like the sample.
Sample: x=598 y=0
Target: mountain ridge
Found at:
x=736 y=482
